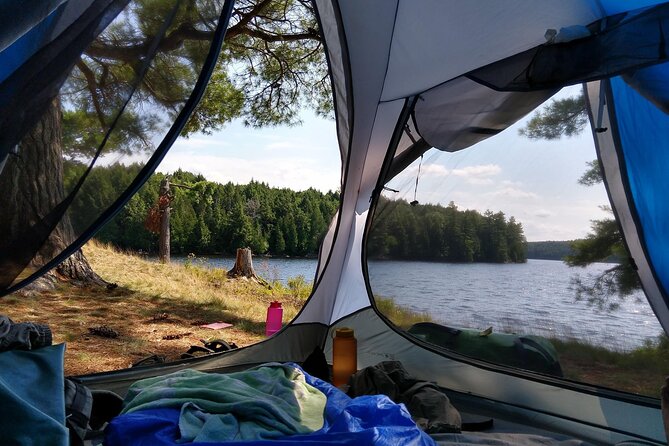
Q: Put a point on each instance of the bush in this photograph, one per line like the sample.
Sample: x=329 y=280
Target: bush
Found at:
x=299 y=287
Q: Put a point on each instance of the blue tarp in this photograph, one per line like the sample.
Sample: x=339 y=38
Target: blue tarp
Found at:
x=364 y=420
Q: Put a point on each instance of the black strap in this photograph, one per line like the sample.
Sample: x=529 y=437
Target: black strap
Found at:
x=78 y=407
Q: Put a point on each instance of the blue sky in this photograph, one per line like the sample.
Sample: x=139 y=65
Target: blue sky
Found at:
x=534 y=181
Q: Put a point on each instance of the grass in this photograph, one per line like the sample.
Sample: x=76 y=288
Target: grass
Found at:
x=151 y=301
x=400 y=316
x=641 y=370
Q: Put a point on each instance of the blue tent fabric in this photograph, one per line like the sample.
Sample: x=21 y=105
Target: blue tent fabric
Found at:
x=650 y=82
x=643 y=129
x=33 y=397
x=364 y=420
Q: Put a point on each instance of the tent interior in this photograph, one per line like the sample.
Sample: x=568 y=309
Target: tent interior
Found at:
x=418 y=87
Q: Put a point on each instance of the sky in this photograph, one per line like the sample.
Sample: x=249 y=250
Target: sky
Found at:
x=534 y=181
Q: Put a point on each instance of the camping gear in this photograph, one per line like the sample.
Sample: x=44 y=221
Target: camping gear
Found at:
x=344 y=356
x=274 y=320
x=271 y=401
x=209 y=347
x=525 y=352
x=23 y=335
x=407 y=76
x=345 y=421
x=429 y=407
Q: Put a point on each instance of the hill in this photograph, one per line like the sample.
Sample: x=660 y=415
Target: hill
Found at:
x=549 y=250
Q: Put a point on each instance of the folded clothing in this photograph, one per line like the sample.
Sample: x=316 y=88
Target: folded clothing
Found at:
x=23 y=335
x=373 y=420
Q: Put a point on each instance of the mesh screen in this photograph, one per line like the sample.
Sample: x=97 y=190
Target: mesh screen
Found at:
x=121 y=102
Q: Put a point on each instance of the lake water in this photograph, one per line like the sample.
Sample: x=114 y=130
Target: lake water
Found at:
x=532 y=298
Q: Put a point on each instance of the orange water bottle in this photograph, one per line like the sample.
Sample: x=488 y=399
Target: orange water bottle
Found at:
x=274 y=319
x=344 y=356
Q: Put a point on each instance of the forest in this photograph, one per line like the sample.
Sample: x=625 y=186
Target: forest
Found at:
x=550 y=250
x=213 y=218
x=445 y=234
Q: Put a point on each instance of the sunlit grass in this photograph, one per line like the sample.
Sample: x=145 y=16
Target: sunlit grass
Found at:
x=398 y=315
x=190 y=282
x=187 y=295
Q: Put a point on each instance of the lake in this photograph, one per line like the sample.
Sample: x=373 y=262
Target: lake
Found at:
x=533 y=298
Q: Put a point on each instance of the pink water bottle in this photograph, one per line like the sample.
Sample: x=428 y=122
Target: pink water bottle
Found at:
x=274 y=318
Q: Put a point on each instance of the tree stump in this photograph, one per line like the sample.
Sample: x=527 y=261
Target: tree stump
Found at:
x=243 y=265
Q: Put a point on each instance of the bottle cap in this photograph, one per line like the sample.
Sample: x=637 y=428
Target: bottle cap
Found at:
x=275 y=304
x=344 y=332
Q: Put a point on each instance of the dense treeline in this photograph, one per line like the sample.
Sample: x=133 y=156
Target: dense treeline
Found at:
x=210 y=218
x=213 y=218
x=549 y=250
x=433 y=232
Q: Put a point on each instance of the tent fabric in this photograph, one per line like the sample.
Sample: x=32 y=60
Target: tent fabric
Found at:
x=650 y=83
x=502 y=30
x=29 y=29
x=423 y=60
x=403 y=79
x=460 y=113
x=15 y=25
x=604 y=48
x=596 y=415
x=630 y=132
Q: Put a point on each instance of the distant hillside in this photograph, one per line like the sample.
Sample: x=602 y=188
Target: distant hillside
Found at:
x=549 y=250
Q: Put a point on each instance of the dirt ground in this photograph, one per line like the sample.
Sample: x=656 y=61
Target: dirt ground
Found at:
x=145 y=326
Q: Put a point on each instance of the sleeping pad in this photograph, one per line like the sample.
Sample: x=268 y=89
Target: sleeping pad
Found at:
x=273 y=403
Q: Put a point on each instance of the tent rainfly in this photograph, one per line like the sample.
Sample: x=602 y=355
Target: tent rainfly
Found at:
x=407 y=75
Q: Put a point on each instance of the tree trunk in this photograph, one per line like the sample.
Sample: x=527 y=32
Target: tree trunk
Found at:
x=164 y=200
x=34 y=175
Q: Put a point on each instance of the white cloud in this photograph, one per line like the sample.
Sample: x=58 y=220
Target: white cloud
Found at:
x=542 y=213
x=291 y=172
x=480 y=181
x=478 y=174
x=510 y=183
x=200 y=142
x=433 y=170
x=481 y=170
x=512 y=192
x=282 y=145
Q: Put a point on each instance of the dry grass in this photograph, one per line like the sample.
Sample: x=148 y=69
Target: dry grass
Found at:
x=152 y=301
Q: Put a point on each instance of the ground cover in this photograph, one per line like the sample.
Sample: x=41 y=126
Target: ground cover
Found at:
x=155 y=309
x=641 y=370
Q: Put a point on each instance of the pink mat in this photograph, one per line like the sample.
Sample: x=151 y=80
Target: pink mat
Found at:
x=216 y=325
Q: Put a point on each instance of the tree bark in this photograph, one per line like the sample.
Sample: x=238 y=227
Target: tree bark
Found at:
x=34 y=177
x=243 y=265
x=164 y=200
